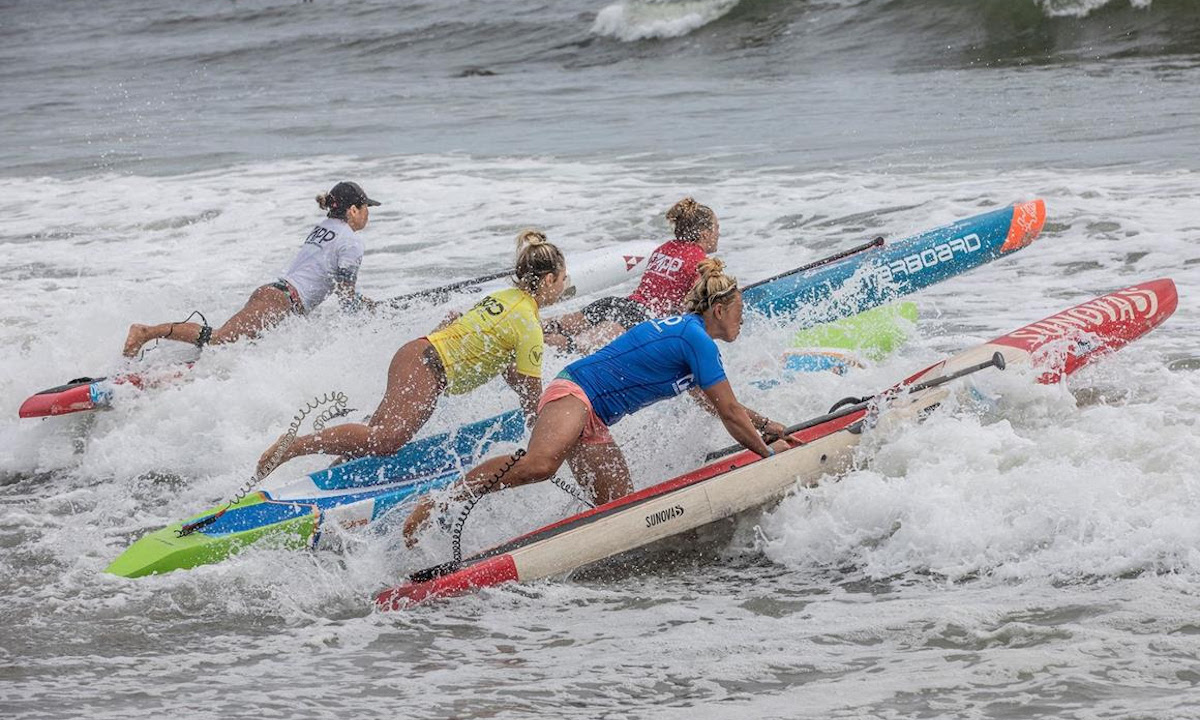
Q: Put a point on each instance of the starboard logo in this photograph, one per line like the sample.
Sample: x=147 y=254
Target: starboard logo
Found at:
x=631 y=261
x=1129 y=304
x=910 y=265
x=664 y=515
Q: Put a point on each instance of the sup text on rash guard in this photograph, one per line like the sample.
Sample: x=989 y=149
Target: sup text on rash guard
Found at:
x=500 y=330
x=657 y=359
x=332 y=252
x=670 y=273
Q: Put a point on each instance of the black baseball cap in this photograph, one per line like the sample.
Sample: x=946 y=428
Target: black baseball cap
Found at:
x=346 y=194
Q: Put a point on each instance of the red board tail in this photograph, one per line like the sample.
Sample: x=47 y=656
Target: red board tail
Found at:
x=46 y=404
x=494 y=571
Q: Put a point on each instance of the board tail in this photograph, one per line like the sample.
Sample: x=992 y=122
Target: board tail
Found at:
x=76 y=396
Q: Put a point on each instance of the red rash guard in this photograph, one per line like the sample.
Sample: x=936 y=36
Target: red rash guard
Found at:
x=669 y=274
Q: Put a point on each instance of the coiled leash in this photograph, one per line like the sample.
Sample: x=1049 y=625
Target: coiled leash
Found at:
x=339 y=409
x=456 y=528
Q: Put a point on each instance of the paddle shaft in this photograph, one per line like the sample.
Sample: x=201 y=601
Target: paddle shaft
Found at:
x=877 y=242
x=402 y=301
x=996 y=361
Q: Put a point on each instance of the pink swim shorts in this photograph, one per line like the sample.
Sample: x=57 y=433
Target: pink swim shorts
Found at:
x=595 y=432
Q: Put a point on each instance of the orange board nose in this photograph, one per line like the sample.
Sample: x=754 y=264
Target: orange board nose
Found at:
x=1027 y=221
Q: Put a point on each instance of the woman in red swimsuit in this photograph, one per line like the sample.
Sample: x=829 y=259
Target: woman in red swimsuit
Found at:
x=669 y=275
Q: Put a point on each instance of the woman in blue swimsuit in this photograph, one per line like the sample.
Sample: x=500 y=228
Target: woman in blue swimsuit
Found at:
x=655 y=360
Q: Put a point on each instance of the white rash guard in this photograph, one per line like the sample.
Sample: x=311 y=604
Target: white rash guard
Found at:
x=331 y=252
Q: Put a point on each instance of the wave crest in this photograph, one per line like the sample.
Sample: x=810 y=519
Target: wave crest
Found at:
x=1081 y=8
x=633 y=20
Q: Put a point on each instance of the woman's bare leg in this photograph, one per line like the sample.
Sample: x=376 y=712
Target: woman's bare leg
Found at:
x=572 y=323
x=598 y=335
x=555 y=435
x=559 y=331
x=412 y=393
x=265 y=308
x=602 y=470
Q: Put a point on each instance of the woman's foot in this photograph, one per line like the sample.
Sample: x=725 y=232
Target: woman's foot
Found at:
x=275 y=456
x=137 y=337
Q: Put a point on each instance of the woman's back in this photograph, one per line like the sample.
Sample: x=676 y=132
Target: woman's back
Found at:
x=669 y=274
x=331 y=252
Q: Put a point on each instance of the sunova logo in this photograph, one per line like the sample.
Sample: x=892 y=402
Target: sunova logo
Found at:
x=910 y=265
x=662 y=516
x=1128 y=304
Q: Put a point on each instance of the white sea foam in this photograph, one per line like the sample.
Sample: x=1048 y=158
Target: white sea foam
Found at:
x=1082 y=8
x=970 y=532
x=631 y=20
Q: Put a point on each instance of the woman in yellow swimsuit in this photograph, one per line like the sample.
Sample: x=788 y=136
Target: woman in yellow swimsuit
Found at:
x=501 y=334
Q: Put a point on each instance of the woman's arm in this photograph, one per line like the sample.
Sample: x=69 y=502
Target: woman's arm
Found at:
x=736 y=418
x=528 y=389
x=769 y=429
x=349 y=299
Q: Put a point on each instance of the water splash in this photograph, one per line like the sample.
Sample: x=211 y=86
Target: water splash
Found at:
x=634 y=20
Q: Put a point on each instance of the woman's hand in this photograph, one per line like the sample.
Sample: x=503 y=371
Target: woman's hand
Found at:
x=450 y=317
x=776 y=436
x=417 y=519
x=772 y=430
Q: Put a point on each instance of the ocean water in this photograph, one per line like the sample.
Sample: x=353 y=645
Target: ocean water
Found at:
x=1036 y=558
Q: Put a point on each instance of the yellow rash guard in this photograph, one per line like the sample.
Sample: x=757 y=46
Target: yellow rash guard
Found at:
x=501 y=329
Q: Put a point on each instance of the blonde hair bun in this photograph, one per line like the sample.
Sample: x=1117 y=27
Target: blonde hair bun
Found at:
x=710 y=267
x=689 y=218
x=323 y=201
x=536 y=257
x=531 y=238
x=712 y=286
x=684 y=207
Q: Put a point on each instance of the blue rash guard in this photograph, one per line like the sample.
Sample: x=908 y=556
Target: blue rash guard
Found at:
x=655 y=360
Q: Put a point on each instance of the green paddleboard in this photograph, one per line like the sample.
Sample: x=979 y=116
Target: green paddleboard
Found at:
x=843 y=344
x=873 y=334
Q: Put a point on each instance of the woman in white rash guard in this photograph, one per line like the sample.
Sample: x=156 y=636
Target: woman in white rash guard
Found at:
x=328 y=262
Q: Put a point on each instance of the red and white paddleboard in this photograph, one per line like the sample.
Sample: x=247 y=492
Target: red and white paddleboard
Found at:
x=1059 y=344
x=76 y=396
x=84 y=394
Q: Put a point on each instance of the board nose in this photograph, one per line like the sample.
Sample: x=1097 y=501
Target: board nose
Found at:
x=1027 y=221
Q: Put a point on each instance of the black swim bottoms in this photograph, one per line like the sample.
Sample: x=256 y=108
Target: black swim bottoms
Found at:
x=622 y=311
x=293 y=294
